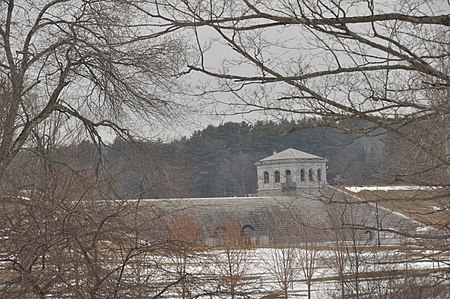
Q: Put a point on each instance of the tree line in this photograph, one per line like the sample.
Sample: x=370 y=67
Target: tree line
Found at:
x=220 y=160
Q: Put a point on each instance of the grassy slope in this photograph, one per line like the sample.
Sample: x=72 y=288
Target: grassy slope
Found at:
x=427 y=206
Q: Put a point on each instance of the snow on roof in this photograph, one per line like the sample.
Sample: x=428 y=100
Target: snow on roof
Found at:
x=291 y=153
x=357 y=189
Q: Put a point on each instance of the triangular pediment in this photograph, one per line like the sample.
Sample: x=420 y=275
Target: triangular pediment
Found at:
x=293 y=154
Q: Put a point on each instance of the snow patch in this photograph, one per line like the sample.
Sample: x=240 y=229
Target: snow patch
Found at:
x=357 y=189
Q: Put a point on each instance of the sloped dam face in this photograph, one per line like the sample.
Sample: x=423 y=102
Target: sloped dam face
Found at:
x=308 y=215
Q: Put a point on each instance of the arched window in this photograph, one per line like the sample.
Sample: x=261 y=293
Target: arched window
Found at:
x=277 y=176
x=288 y=177
x=319 y=175
x=302 y=175
x=266 y=177
x=311 y=175
x=247 y=230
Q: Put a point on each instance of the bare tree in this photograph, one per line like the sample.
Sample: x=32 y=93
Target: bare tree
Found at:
x=186 y=235
x=284 y=264
x=71 y=70
x=238 y=174
x=65 y=232
x=147 y=170
x=95 y=62
x=233 y=259
x=47 y=236
x=385 y=64
x=308 y=257
x=283 y=261
x=79 y=241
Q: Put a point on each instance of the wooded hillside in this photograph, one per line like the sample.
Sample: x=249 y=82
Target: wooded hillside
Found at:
x=219 y=160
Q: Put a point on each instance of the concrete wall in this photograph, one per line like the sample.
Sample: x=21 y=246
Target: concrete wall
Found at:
x=309 y=215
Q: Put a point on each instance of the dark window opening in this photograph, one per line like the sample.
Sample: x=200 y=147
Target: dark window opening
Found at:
x=247 y=230
x=288 y=177
x=277 y=176
x=266 y=177
x=311 y=175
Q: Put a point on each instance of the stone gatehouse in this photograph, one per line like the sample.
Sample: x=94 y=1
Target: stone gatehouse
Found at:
x=294 y=205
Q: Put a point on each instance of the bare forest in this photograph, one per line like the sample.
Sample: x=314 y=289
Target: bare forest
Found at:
x=90 y=90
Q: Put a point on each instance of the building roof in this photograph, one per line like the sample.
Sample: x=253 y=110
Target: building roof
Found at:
x=289 y=154
x=322 y=211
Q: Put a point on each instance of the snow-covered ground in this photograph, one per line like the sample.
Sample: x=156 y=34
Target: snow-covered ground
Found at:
x=260 y=272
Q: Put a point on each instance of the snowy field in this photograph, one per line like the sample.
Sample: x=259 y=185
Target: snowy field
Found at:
x=264 y=273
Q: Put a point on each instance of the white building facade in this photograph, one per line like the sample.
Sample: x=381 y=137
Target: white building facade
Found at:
x=288 y=171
